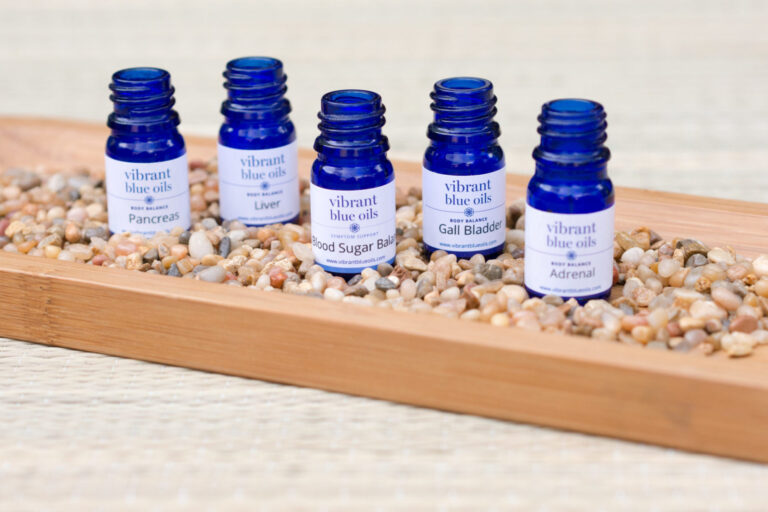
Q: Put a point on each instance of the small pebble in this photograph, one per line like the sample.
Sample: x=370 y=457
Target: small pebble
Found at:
x=199 y=245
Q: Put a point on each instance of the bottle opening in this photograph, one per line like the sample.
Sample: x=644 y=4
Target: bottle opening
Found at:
x=573 y=106
x=254 y=64
x=351 y=102
x=463 y=84
x=140 y=75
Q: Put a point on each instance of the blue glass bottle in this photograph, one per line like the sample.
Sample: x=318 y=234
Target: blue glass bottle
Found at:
x=258 y=152
x=353 y=185
x=146 y=161
x=569 y=227
x=463 y=178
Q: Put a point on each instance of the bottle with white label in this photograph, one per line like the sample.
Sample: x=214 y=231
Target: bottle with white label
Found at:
x=258 y=152
x=352 y=190
x=146 y=161
x=569 y=212
x=463 y=177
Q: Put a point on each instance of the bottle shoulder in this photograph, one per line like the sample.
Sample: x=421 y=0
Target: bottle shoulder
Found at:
x=252 y=135
x=152 y=147
x=463 y=159
x=570 y=196
x=349 y=175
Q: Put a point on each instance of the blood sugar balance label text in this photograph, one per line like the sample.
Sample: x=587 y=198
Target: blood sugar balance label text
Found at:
x=464 y=213
x=259 y=187
x=569 y=255
x=145 y=198
x=353 y=229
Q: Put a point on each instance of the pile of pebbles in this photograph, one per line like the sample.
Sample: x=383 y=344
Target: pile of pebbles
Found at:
x=669 y=294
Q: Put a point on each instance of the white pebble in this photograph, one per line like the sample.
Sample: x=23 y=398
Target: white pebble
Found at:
x=632 y=256
x=200 y=245
x=668 y=267
x=333 y=294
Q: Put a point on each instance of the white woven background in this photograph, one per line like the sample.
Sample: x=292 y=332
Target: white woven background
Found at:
x=686 y=88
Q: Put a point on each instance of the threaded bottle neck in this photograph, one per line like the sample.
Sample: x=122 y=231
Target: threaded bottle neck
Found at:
x=143 y=101
x=464 y=108
x=573 y=133
x=256 y=89
x=350 y=125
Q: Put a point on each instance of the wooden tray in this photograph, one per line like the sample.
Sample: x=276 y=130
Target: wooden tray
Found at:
x=686 y=401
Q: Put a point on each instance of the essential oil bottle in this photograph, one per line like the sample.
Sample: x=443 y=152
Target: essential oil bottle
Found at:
x=258 y=153
x=569 y=212
x=352 y=191
x=463 y=177
x=146 y=161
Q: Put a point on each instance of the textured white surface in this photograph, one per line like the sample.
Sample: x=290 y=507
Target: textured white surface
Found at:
x=685 y=86
x=89 y=432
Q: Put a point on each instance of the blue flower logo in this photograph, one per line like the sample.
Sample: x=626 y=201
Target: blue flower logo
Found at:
x=354 y=227
x=468 y=211
x=264 y=185
x=571 y=255
x=149 y=199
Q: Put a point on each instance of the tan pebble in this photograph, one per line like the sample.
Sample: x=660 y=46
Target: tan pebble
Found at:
x=72 y=233
x=500 y=320
x=336 y=282
x=688 y=322
x=760 y=265
x=168 y=261
x=705 y=309
x=702 y=284
x=631 y=321
x=302 y=251
x=526 y=320
x=179 y=250
x=81 y=252
x=185 y=265
x=197 y=203
x=736 y=272
x=726 y=298
x=642 y=333
x=720 y=255
x=761 y=287
x=743 y=323
x=738 y=344
x=52 y=251
x=414 y=263
x=678 y=278
x=471 y=314
x=211 y=259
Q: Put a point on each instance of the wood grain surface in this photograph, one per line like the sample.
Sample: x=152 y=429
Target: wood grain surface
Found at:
x=711 y=405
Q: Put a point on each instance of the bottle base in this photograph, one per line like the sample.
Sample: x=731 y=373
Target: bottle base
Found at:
x=581 y=300
x=294 y=220
x=348 y=274
x=489 y=254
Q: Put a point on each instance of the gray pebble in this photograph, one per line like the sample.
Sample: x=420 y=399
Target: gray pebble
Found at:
x=225 y=246
x=99 y=232
x=355 y=279
x=384 y=269
x=74 y=194
x=209 y=223
x=174 y=271
x=385 y=284
x=696 y=260
x=490 y=272
x=184 y=237
x=356 y=290
x=151 y=255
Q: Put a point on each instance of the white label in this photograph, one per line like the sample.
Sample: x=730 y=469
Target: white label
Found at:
x=464 y=213
x=353 y=229
x=145 y=198
x=568 y=254
x=259 y=186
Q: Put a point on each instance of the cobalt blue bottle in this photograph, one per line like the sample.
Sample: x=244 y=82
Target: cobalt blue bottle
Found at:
x=569 y=212
x=258 y=152
x=146 y=162
x=352 y=190
x=463 y=178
